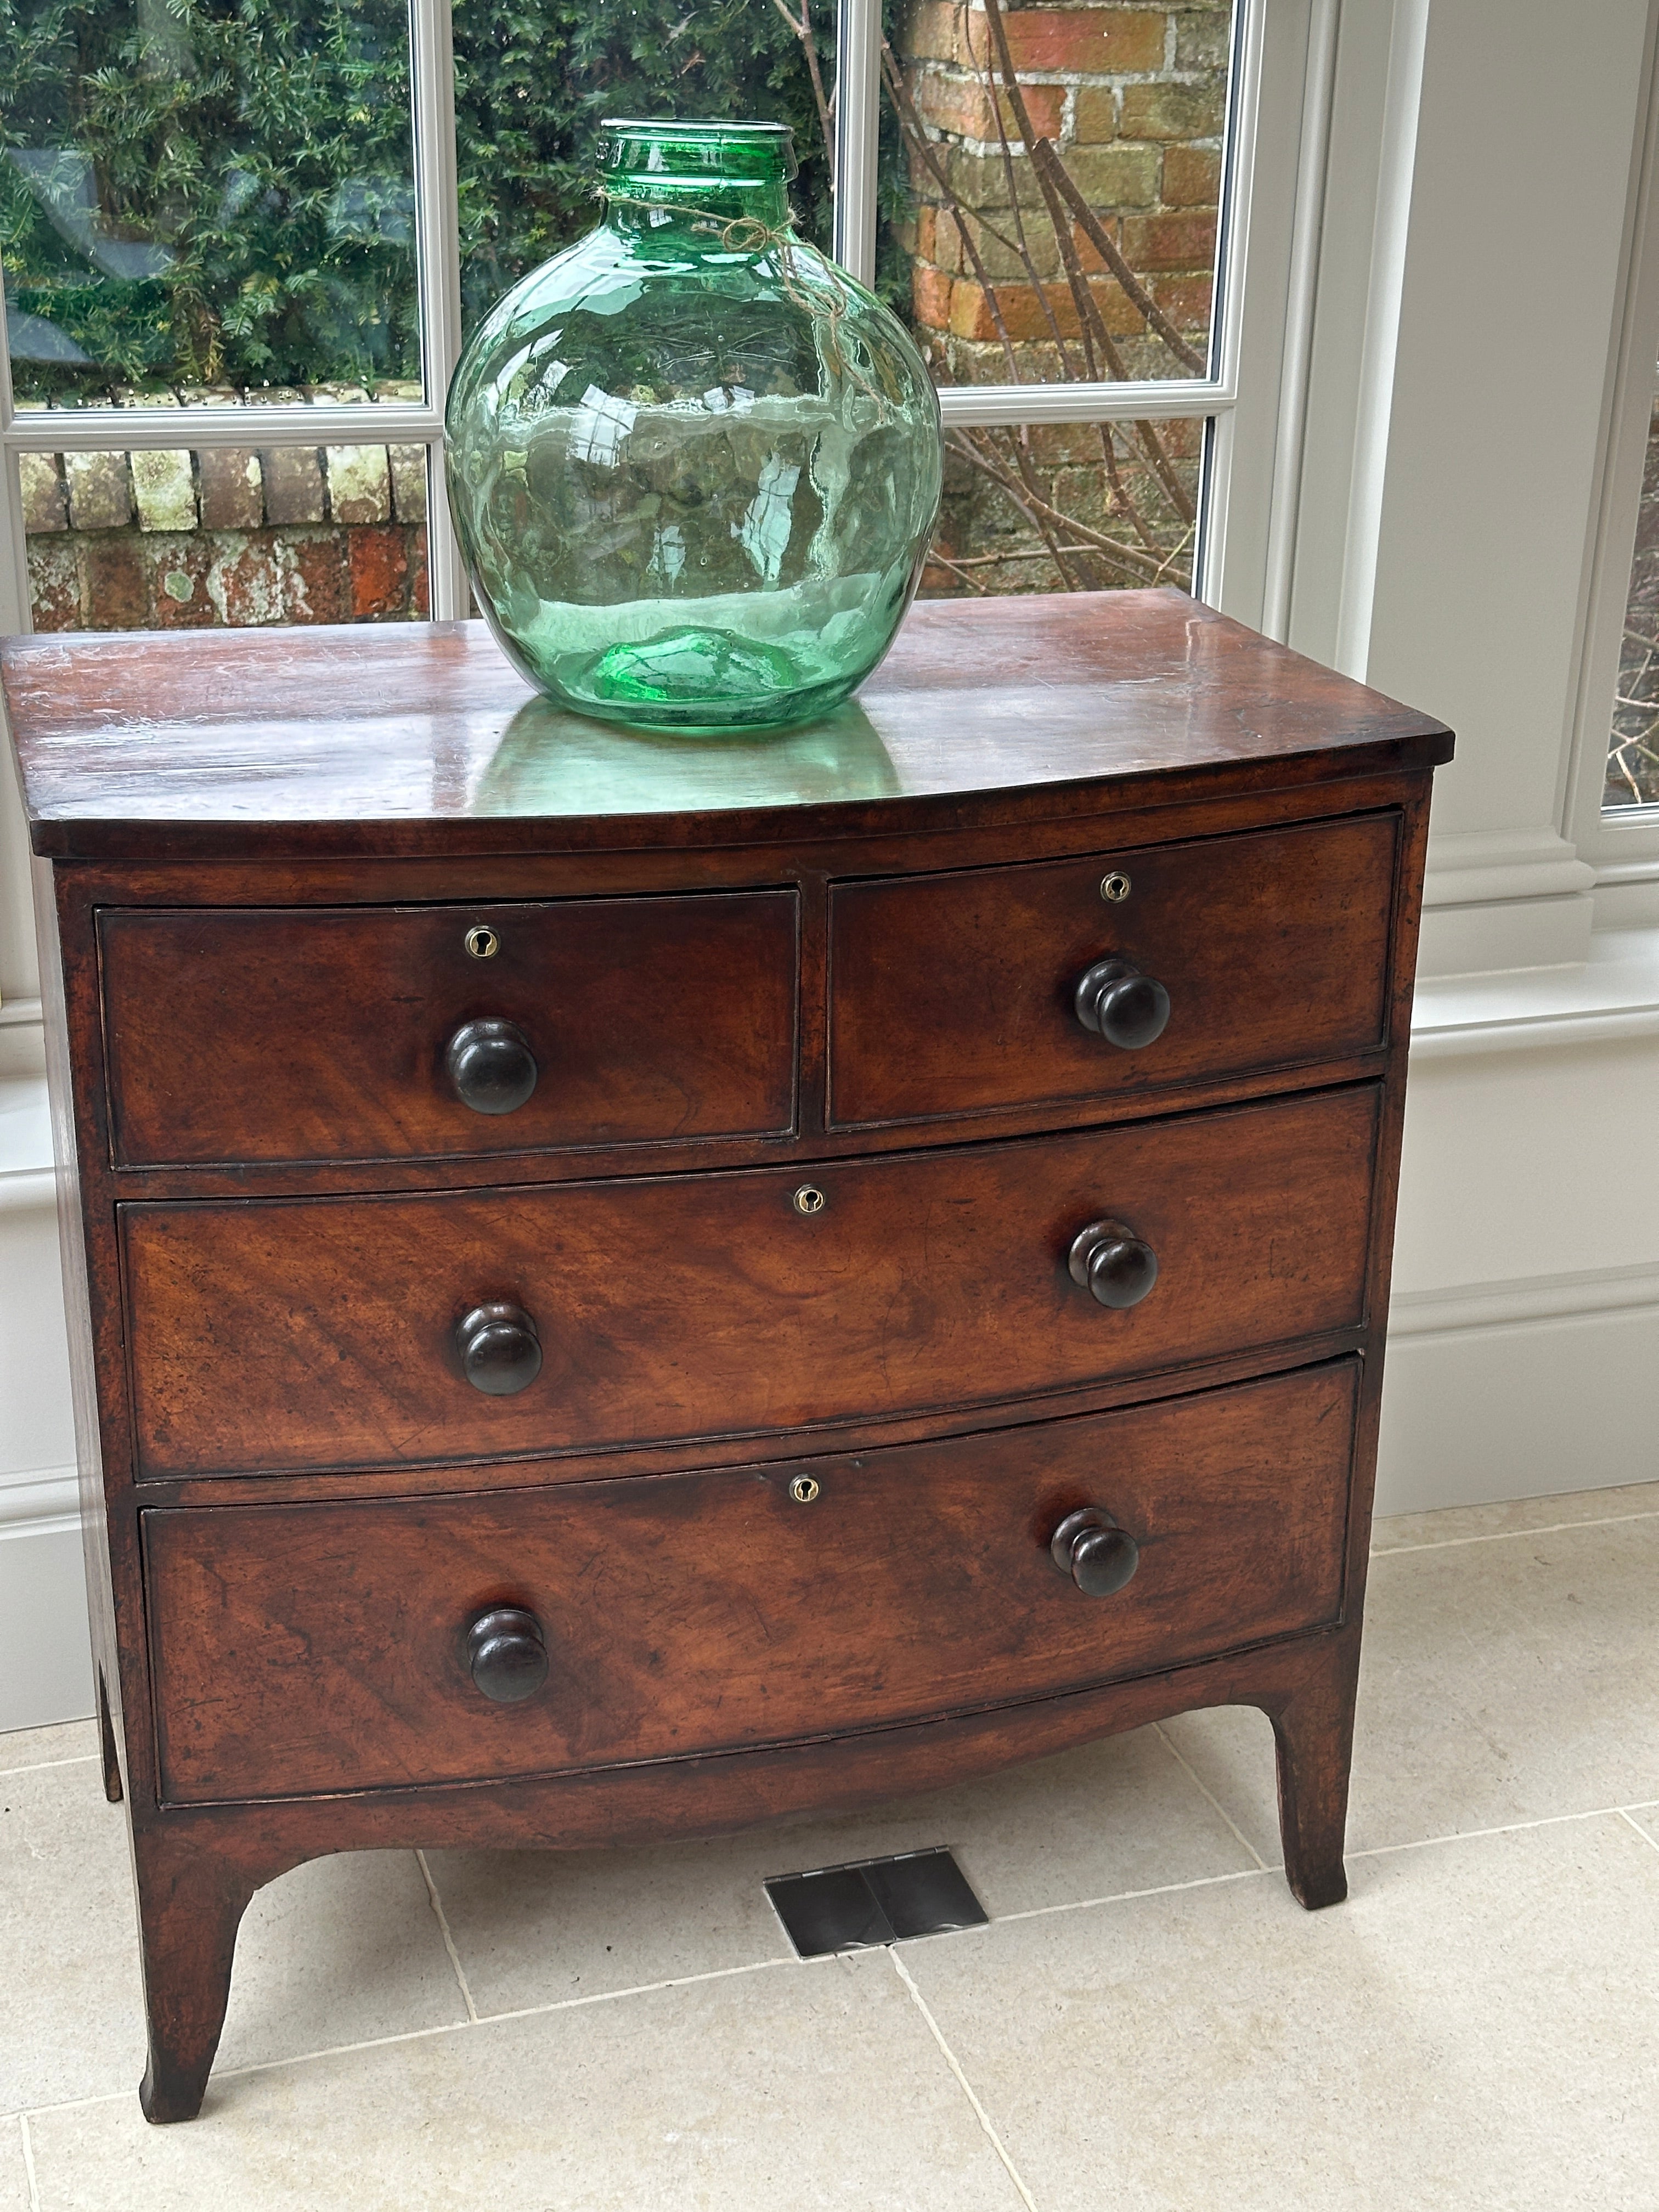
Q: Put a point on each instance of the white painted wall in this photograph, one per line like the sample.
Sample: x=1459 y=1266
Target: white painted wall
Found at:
x=1472 y=282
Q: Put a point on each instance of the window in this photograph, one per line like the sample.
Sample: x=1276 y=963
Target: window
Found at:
x=1633 y=749
x=243 y=241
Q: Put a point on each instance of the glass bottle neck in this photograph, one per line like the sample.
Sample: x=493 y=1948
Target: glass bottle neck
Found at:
x=711 y=216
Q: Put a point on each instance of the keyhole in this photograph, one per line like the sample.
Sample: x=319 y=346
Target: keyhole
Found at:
x=1114 y=888
x=803 y=1490
x=482 y=942
x=809 y=1199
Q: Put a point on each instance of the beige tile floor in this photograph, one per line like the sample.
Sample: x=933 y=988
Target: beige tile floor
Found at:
x=1149 y=2022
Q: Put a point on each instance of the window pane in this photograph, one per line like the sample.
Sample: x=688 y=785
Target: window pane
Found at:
x=1633 y=755
x=206 y=192
x=533 y=81
x=1053 y=180
x=1082 y=508
x=226 y=537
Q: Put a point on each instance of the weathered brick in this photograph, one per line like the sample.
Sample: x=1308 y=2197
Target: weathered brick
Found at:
x=179 y=569
x=339 y=395
x=243 y=583
x=407 y=389
x=1094 y=119
x=1202 y=40
x=420 y=592
x=45 y=502
x=1114 y=176
x=407 y=465
x=359 y=483
x=293 y=483
x=1022 y=310
x=100 y=493
x=930 y=296
x=115 y=592
x=314 y=570
x=1186 y=301
x=54 y=585
x=165 y=490
x=380 y=572
x=964 y=105
x=1097 y=39
x=1192 y=176
x=1169 y=241
x=232 y=489
x=1172 y=111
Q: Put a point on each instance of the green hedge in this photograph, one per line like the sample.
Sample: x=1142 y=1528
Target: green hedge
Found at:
x=220 y=190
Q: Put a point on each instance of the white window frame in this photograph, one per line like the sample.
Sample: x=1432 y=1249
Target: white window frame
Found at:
x=1275 y=149
x=1621 y=845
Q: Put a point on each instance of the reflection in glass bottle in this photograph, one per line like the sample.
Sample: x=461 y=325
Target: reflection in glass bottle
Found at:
x=554 y=763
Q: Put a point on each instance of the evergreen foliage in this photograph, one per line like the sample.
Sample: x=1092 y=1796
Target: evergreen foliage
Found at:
x=221 y=191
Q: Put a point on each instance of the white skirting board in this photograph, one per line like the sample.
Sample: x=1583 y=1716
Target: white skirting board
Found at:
x=1521 y=1405
x=45 y=1660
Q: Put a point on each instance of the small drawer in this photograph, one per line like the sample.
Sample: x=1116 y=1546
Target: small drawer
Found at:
x=324 y=1647
x=324 y=1034
x=958 y=993
x=286 y=1334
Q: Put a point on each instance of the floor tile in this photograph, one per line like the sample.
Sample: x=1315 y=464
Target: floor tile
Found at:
x=1458 y=1524
x=1476 y=2027
x=1501 y=1682
x=14 y=2174
x=341 y=1949
x=69 y=1951
x=47 y=1746
x=796 y=2086
x=536 y=1927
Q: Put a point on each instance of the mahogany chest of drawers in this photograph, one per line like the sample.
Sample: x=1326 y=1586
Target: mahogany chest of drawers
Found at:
x=623 y=1288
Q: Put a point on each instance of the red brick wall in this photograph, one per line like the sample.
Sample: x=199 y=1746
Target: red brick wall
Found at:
x=239 y=537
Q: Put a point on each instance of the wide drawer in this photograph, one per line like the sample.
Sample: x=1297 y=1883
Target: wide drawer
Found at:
x=298 y=1034
x=956 y=994
x=324 y=1647
x=286 y=1334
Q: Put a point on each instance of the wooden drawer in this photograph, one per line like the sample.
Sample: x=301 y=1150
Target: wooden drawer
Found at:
x=303 y=1648
x=286 y=1334
x=320 y=1033
x=956 y=994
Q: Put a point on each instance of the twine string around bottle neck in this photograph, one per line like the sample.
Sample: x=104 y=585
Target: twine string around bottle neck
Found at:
x=825 y=303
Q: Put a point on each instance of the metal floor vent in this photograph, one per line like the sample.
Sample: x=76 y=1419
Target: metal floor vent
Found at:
x=874 y=1901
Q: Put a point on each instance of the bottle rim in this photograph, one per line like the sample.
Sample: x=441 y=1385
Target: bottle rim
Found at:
x=765 y=151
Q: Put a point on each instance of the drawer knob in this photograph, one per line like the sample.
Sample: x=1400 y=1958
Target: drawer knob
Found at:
x=1117 y=1002
x=1097 y=1555
x=499 y=1350
x=507 y=1654
x=491 y=1066
x=1112 y=1263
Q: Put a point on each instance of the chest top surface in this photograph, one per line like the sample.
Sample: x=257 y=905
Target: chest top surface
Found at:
x=421 y=739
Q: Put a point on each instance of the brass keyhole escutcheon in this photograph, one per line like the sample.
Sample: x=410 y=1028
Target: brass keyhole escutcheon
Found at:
x=809 y=1199
x=482 y=942
x=803 y=1490
x=1114 y=888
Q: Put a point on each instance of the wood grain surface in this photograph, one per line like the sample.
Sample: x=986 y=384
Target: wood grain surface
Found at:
x=954 y=992
x=420 y=738
x=292 y=1334
x=307 y=1034
x=308 y=1648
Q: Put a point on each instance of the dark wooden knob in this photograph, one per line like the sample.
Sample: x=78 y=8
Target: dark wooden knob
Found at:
x=499 y=1350
x=1112 y=1263
x=507 y=1654
x=491 y=1066
x=1089 y=1546
x=1117 y=1002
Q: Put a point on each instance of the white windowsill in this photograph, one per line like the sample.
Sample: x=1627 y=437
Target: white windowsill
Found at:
x=1612 y=995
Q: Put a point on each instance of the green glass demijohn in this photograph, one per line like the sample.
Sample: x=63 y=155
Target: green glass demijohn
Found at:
x=693 y=467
